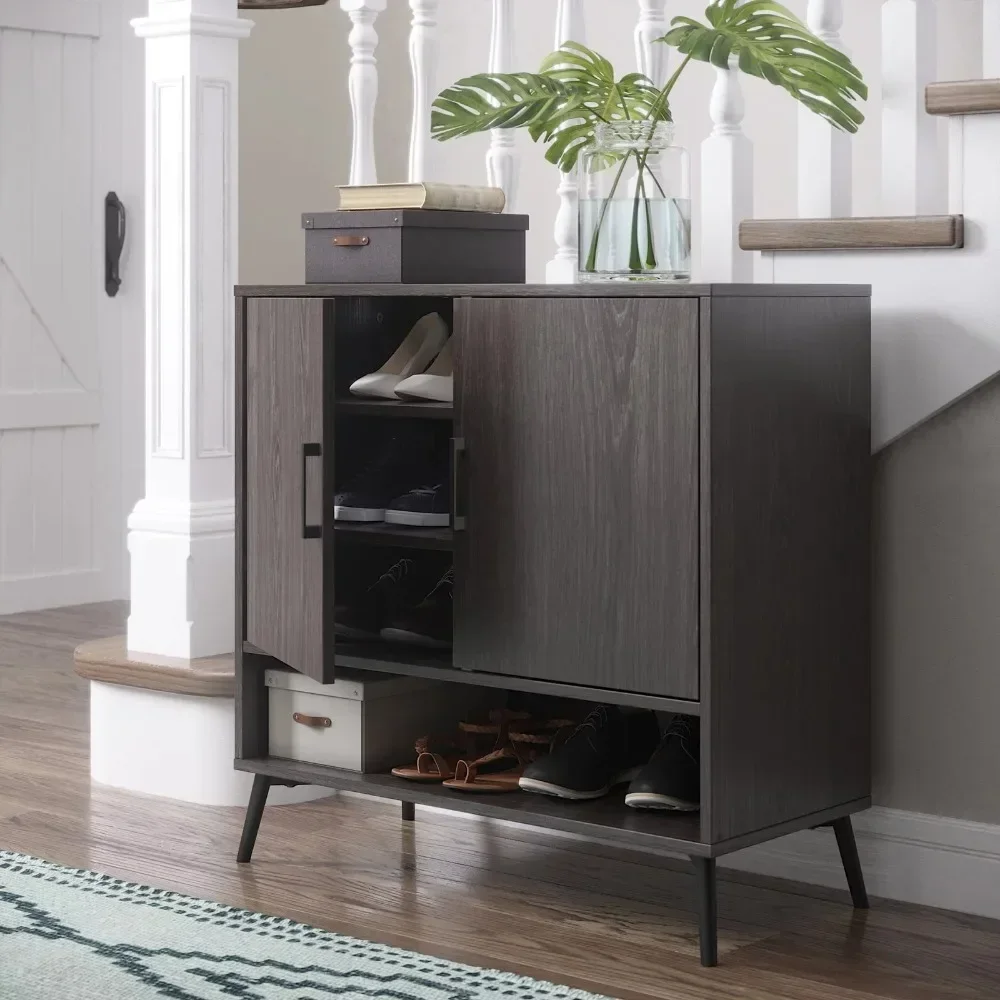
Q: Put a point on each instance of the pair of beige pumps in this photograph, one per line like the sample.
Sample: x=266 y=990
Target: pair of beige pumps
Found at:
x=420 y=368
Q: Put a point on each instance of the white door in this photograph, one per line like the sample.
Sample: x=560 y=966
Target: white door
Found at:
x=70 y=356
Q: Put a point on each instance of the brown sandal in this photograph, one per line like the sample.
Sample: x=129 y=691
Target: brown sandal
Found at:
x=434 y=766
x=498 y=771
x=431 y=767
x=501 y=770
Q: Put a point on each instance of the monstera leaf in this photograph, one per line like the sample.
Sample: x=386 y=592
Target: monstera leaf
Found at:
x=560 y=105
x=771 y=42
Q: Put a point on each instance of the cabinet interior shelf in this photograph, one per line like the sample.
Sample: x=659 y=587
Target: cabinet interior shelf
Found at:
x=394 y=408
x=608 y=819
x=381 y=533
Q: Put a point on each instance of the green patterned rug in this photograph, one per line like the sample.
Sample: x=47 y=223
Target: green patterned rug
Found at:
x=76 y=935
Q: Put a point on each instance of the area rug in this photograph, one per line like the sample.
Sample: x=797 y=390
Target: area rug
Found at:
x=77 y=935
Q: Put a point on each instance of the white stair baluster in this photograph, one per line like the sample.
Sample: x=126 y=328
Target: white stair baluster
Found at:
x=423 y=60
x=363 y=85
x=501 y=161
x=912 y=160
x=726 y=184
x=650 y=56
x=562 y=269
x=825 y=164
x=991 y=39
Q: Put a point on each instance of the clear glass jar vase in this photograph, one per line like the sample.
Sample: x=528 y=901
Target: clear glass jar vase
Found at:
x=635 y=205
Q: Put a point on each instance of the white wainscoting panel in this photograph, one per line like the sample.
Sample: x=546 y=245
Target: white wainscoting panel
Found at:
x=930 y=860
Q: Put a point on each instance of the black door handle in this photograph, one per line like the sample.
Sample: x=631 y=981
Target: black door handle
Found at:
x=310 y=450
x=457 y=493
x=114 y=242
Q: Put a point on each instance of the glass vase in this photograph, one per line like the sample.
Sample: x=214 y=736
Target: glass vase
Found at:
x=635 y=205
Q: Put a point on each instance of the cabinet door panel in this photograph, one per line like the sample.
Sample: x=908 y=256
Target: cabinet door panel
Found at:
x=579 y=559
x=284 y=482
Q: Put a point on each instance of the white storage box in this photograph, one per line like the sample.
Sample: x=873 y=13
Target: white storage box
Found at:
x=363 y=721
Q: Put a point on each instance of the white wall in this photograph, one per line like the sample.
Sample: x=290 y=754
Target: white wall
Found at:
x=295 y=116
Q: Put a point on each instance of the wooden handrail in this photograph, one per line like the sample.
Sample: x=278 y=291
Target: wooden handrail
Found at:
x=963 y=97
x=888 y=233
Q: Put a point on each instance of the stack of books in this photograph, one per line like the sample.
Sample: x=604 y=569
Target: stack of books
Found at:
x=432 y=197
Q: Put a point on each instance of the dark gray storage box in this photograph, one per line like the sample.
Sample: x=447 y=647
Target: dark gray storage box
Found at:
x=416 y=246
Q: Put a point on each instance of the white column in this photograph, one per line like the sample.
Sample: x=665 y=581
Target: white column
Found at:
x=726 y=184
x=362 y=84
x=912 y=161
x=181 y=532
x=561 y=270
x=501 y=161
x=991 y=39
x=825 y=164
x=651 y=56
x=423 y=62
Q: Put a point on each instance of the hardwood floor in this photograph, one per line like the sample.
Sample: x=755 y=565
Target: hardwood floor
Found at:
x=611 y=921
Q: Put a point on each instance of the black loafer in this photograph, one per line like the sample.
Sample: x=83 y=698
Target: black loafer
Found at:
x=608 y=748
x=672 y=778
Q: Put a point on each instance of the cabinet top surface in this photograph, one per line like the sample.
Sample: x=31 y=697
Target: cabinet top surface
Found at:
x=608 y=289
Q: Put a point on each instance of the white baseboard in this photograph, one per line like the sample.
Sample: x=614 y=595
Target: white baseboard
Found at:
x=911 y=857
x=53 y=590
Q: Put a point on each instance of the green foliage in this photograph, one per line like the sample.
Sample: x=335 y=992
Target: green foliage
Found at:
x=773 y=44
x=561 y=105
x=575 y=89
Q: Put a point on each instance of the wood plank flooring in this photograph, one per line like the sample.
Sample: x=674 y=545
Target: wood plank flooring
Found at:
x=614 y=922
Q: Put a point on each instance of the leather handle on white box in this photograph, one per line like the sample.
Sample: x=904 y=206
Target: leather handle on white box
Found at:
x=312 y=721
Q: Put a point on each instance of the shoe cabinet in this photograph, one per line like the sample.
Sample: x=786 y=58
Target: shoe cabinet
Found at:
x=660 y=498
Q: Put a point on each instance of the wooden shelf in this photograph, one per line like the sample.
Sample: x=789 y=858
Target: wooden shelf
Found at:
x=607 y=819
x=412 y=661
x=395 y=408
x=380 y=533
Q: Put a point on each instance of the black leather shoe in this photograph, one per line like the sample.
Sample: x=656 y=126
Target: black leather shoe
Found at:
x=430 y=622
x=361 y=615
x=608 y=748
x=672 y=778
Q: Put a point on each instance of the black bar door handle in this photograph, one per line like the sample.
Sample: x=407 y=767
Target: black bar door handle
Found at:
x=457 y=493
x=309 y=530
x=114 y=242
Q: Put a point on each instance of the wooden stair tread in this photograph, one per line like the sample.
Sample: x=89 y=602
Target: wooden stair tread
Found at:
x=963 y=97
x=107 y=660
x=877 y=233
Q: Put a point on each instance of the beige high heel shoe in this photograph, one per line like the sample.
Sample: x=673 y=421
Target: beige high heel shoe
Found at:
x=422 y=344
x=436 y=383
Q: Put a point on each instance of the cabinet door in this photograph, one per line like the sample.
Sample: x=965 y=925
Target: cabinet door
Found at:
x=285 y=498
x=578 y=485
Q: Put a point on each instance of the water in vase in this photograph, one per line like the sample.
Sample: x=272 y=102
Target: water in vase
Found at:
x=621 y=239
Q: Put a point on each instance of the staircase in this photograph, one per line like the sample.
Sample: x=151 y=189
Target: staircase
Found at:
x=930 y=259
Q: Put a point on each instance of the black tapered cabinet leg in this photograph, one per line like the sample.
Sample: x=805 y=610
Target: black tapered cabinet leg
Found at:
x=844 y=830
x=708 y=929
x=255 y=810
x=409 y=812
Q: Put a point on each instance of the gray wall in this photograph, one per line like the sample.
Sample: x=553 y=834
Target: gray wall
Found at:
x=937 y=614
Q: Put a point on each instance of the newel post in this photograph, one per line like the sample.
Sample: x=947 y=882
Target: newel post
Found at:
x=180 y=534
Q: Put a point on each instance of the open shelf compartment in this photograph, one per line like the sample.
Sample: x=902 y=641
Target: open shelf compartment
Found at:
x=607 y=819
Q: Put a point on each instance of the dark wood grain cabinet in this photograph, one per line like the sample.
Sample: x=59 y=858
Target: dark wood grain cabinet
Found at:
x=661 y=499
x=579 y=558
